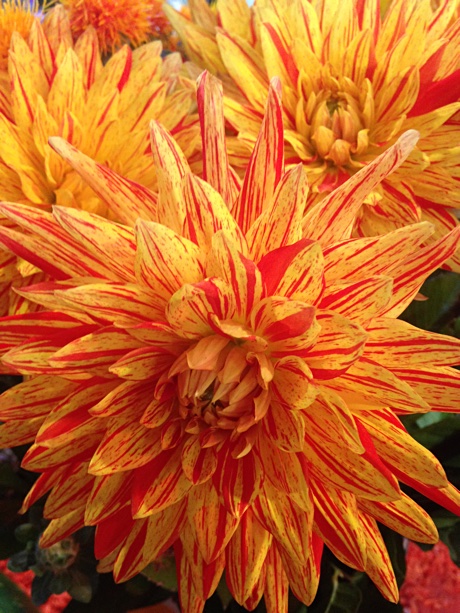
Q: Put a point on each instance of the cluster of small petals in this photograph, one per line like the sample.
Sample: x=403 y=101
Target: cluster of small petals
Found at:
x=354 y=79
x=118 y=22
x=60 y=88
x=226 y=378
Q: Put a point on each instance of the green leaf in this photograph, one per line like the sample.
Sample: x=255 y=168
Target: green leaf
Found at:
x=163 y=572
x=12 y=599
x=438 y=312
x=346 y=598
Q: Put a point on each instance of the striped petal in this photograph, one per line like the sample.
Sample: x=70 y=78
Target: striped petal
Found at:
x=338 y=525
x=207 y=213
x=142 y=546
x=295 y=271
x=126 y=199
x=165 y=260
x=216 y=169
x=245 y=556
x=276 y=583
x=210 y=523
x=265 y=167
x=288 y=523
x=171 y=166
x=159 y=484
x=332 y=219
x=403 y=516
x=410 y=274
x=393 y=342
x=338 y=346
x=439 y=387
x=367 y=381
x=279 y=224
x=234 y=268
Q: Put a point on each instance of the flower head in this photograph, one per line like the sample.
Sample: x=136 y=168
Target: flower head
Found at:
x=353 y=82
x=57 y=88
x=119 y=22
x=227 y=377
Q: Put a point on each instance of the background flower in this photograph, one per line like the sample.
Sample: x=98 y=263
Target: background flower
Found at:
x=220 y=378
x=353 y=81
x=56 y=87
x=118 y=22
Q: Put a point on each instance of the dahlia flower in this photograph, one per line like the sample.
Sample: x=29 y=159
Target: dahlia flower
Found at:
x=353 y=82
x=227 y=378
x=120 y=21
x=57 y=88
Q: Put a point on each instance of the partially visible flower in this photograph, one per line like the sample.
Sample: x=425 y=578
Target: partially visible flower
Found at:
x=353 y=82
x=119 y=22
x=56 y=87
x=228 y=377
x=15 y=16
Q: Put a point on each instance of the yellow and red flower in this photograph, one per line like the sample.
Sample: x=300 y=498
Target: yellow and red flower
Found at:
x=57 y=88
x=228 y=377
x=353 y=82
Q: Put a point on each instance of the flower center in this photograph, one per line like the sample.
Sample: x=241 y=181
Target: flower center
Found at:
x=222 y=391
x=336 y=121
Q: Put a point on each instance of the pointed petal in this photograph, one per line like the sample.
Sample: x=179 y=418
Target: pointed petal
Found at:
x=439 y=387
x=171 y=167
x=240 y=273
x=237 y=480
x=393 y=342
x=378 y=564
x=412 y=271
x=338 y=525
x=403 y=516
x=216 y=169
x=399 y=450
x=59 y=529
x=332 y=219
x=165 y=261
x=105 y=240
x=355 y=259
x=265 y=166
x=276 y=583
x=159 y=484
x=246 y=555
x=280 y=223
x=295 y=271
x=126 y=199
x=287 y=522
x=211 y=524
x=207 y=213
x=367 y=381
x=158 y=532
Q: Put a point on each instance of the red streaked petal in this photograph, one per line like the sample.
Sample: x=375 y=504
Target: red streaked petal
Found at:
x=246 y=555
x=216 y=169
x=337 y=523
x=171 y=166
x=211 y=524
x=280 y=223
x=265 y=166
x=332 y=219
